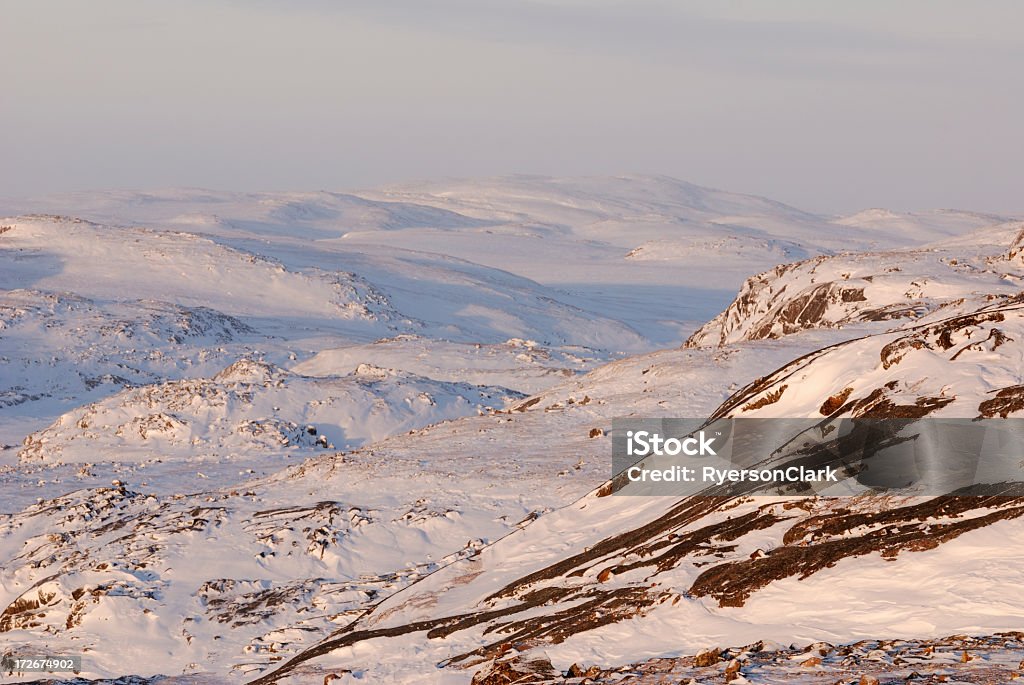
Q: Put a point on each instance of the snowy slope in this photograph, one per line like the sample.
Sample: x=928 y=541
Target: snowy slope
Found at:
x=87 y=309
x=879 y=287
x=244 y=429
x=614 y=578
x=255 y=407
x=284 y=287
x=525 y=365
x=445 y=489
x=941 y=222
x=658 y=254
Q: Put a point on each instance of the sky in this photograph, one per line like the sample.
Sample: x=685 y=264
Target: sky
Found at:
x=832 y=107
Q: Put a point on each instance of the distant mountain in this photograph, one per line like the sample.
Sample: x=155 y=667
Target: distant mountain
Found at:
x=292 y=436
x=654 y=253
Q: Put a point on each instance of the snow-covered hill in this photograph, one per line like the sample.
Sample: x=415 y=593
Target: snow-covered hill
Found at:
x=87 y=309
x=858 y=288
x=610 y=578
x=658 y=254
x=252 y=407
x=296 y=435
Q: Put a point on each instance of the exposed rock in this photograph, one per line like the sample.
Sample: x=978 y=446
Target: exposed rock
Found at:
x=516 y=672
x=1007 y=401
x=707 y=657
x=834 y=291
x=834 y=402
x=733 y=582
x=768 y=398
x=732 y=671
x=577 y=671
x=1016 y=251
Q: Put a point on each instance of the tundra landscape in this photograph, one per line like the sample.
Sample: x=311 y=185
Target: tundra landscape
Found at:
x=366 y=437
x=511 y=342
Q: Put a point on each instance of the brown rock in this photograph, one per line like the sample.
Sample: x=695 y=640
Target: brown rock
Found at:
x=1006 y=401
x=812 y=662
x=520 y=673
x=770 y=397
x=867 y=680
x=732 y=671
x=577 y=671
x=834 y=402
x=707 y=657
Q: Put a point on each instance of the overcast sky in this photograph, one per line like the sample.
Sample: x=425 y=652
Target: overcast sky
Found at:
x=826 y=105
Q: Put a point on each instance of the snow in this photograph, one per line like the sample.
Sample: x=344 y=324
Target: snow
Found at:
x=234 y=423
x=953 y=589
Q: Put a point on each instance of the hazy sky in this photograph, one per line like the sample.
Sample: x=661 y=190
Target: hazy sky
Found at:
x=830 y=106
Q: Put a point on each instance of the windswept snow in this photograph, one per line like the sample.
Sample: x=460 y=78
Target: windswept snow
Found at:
x=293 y=435
x=256 y=407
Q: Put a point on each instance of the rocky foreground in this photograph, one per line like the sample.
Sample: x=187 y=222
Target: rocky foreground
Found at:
x=954 y=659
x=986 y=660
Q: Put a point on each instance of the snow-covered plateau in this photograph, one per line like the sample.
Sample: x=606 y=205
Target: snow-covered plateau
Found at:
x=364 y=438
